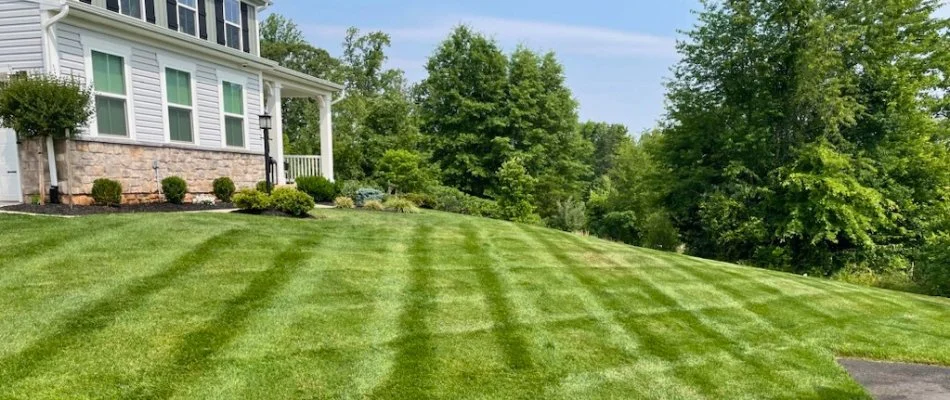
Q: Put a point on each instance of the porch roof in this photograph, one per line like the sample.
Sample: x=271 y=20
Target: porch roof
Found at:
x=298 y=84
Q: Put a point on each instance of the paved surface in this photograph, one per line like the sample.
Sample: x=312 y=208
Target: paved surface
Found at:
x=894 y=381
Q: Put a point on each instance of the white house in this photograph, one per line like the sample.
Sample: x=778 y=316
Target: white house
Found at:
x=178 y=87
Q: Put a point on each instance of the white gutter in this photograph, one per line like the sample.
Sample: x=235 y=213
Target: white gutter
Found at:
x=52 y=67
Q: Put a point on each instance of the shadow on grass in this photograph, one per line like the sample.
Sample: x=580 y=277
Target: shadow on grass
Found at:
x=102 y=313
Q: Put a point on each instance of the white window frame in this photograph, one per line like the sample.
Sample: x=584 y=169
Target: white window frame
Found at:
x=236 y=79
x=197 y=16
x=239 y=24
x=141 y=8
x=165 y=62
x=99 y=44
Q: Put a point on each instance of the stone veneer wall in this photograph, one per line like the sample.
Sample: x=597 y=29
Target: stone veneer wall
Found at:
x=131 y=165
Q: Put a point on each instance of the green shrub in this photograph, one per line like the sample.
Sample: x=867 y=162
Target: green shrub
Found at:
x=404 y=171
x=450 y=199
x=659 y=233
x=106 y=192
x=251 y=200
x=374 y=205
x=291 y=201
x=422 y=200
x=262 y=186
x=366 y=194
x=514 y=198
x=174 y=189
x=621 y=226
x=402 y=205
x=350 y=187
x=318 y=187
x=344 y=202
x=223 y=188
x=932 y=272
x=570 y=215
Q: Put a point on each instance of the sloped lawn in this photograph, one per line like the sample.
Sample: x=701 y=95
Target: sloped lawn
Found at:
x=381 y=305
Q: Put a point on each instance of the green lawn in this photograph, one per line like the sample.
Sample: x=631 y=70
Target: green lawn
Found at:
x=379 y=305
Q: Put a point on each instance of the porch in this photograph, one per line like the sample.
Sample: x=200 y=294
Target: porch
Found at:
x=283 y=83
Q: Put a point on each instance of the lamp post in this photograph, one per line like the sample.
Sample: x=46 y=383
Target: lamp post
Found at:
x=266 y=125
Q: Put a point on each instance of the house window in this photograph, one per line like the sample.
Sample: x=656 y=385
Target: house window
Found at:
x=232 y=23
x=233 y=100
x=109 y=84
x=132 y=8
x=180 y=109
x=188 y=17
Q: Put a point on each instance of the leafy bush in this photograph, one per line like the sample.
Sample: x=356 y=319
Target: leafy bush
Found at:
x=366 y=194
x=223 y=188
x=402 y=205
x=404 y=171
x=44 y=105
x=262 y=186
x=343 y=202
x=932 y=273
x=422 y=200
x=570 y=216
x=107 y=192
x=204 y=199
x=349 y=188
x=174 y=189
x=514 y=198
x=450 y=199
x=291 y=201
x=659 y=233
x=374 y=205
x=622 y=226
x=252 y=200
x=318 y=187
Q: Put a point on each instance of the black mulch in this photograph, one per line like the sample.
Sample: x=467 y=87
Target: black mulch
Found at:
x=63 y=209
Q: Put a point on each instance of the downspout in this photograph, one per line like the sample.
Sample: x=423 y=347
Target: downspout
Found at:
x=52 y=67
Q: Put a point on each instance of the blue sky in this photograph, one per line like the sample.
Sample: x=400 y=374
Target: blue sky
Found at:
x=616 y=53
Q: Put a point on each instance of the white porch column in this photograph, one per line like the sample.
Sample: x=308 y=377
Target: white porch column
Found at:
x=326 y=136
x=277 y=111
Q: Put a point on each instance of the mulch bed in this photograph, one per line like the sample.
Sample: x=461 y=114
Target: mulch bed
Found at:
x=63 y=209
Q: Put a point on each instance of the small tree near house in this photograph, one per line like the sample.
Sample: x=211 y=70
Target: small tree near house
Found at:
x=40 y=106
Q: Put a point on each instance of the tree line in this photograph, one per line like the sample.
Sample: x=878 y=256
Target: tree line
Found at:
x=808 y=136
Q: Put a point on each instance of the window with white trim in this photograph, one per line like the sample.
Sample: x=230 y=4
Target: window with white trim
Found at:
x=132 y=8
x=180 y=106
x=110 y=91
x=188 y=17
x=232 y=23
x=232 y=96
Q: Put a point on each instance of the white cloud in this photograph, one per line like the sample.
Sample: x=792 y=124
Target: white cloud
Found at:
x=562 y=38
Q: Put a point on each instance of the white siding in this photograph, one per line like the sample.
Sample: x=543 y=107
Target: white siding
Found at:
x=21 y=40
x=149 y=117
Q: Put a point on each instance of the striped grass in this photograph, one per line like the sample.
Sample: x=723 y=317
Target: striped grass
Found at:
x=433 y=305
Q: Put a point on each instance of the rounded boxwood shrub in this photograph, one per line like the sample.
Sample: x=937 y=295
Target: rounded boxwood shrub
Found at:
x=175 y=189
x=366 y=194
x=223 y=189
x=344 y=202
x=251 y=200
x=106 y=192
x=318 y=187
x=291 y=201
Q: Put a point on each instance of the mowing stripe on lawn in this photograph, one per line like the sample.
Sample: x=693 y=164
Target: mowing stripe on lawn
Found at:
x=411 y=374
x=505 y=327
x=650 y=343
x=66 y=234
x=193 y=355
x=102 y=313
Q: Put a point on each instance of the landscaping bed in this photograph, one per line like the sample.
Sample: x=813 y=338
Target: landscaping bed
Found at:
x=64 y=209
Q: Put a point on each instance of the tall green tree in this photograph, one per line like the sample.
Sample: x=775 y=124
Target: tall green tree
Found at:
x=463 y=112
x=605 y=139
x=802 y=133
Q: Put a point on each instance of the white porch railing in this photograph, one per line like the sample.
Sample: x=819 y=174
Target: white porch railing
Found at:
x=302 y=166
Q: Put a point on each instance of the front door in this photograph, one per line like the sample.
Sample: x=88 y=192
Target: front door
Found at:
x=9 y=167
